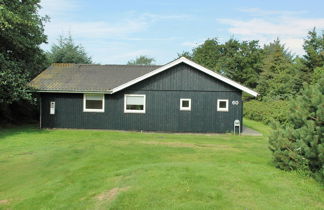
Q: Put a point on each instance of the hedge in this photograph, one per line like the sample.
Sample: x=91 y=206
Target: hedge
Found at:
x=267 y=111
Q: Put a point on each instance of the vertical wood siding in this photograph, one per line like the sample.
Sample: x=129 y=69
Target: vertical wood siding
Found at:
x=163 y=93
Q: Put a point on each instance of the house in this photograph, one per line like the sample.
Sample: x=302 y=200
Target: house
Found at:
x=180 y=96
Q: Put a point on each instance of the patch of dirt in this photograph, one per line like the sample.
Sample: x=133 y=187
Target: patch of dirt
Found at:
x=111 y=194
x=190 y=145
x=4 y=201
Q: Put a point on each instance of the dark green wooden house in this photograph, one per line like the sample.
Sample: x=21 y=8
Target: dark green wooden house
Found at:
x=180 y=96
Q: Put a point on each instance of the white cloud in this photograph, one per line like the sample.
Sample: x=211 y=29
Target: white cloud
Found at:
x=261 y=12
x=105 y=40
x=56 y=7
x=96 y=29
x=274 y=24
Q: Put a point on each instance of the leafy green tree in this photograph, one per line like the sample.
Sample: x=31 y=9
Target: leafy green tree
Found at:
x=21 y=34
x=142 y=60
x=277 y=79
x=66 y=51
x=300 y=143
x=239 y=61
x=208 y=54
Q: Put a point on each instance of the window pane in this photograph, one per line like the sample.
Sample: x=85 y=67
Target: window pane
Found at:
x=222 y=104
x=135 y=100
x=185 y=103
x=92 y=104
x=135 y=107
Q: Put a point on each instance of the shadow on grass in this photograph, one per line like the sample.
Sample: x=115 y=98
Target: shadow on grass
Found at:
x=19 y=129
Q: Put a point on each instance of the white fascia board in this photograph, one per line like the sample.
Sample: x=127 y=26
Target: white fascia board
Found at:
x=71 y=91
x=222 y=78
x=152 y=73
x=190 y=63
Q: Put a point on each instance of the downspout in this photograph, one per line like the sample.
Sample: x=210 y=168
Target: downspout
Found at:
x=40 y=111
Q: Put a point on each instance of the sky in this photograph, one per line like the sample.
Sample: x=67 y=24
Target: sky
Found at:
x=114 y=32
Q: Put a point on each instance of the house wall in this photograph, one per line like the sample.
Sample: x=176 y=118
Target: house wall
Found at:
x=163 y=93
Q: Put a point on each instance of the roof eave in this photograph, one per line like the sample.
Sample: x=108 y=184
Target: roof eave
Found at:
x=73 y=91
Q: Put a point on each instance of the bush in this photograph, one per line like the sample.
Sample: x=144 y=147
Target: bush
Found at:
x=299 y=144
x=268 y=111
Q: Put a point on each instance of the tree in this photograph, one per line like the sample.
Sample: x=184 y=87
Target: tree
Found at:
x=21 y=34
x=142 y=60
x=300 y=143
x=239 y=61
x=314 y=48
x=208 y=54
x=66 y=51
x=277 y=79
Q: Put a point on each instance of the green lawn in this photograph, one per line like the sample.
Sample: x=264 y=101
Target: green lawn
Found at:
x=93 y=169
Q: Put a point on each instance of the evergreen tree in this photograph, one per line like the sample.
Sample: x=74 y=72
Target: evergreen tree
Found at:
x=66 y=51
x=314 y=48
x=277 y=79
x=142 y=60
x=314 y=54
x=300 y=143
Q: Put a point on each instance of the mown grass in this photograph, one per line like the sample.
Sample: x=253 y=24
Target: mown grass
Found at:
x=93 y=169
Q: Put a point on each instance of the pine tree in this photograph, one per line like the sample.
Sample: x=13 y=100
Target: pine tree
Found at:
x=142 y=60
x=314 y=54
x=277 y=77
x=66 y=51
x=300 y=144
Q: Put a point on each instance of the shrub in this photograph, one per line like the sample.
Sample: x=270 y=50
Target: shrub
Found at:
x=300 y=143
x=268 y=111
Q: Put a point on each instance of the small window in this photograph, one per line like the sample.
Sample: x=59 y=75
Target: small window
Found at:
x=185 y=104
x=93 y=102
x=222 y=105
x=134 y=103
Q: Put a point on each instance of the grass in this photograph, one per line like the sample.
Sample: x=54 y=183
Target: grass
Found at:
x=93 y=169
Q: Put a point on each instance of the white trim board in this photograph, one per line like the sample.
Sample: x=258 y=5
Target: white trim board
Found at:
x=190 y=63
x=185 y=108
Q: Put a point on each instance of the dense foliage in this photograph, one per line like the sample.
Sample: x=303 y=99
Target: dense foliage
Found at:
x=278 y=79
x=21 y=58
x=142 y=60
x=267 y=111
x=21 y=34
x=300 y=143
x=239 y=61
x=66 y=51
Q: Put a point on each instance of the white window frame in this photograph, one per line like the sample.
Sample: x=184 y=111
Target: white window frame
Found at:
x=134 y=111
x=93 y=110
x=185 y=108
x=222 y=109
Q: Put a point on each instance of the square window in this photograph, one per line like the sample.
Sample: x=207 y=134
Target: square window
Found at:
x=185 y=104
x=222 y=105
x=134 y=103
x=93 y=102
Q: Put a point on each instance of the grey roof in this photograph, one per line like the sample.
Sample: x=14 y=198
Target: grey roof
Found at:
x=87 y=77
